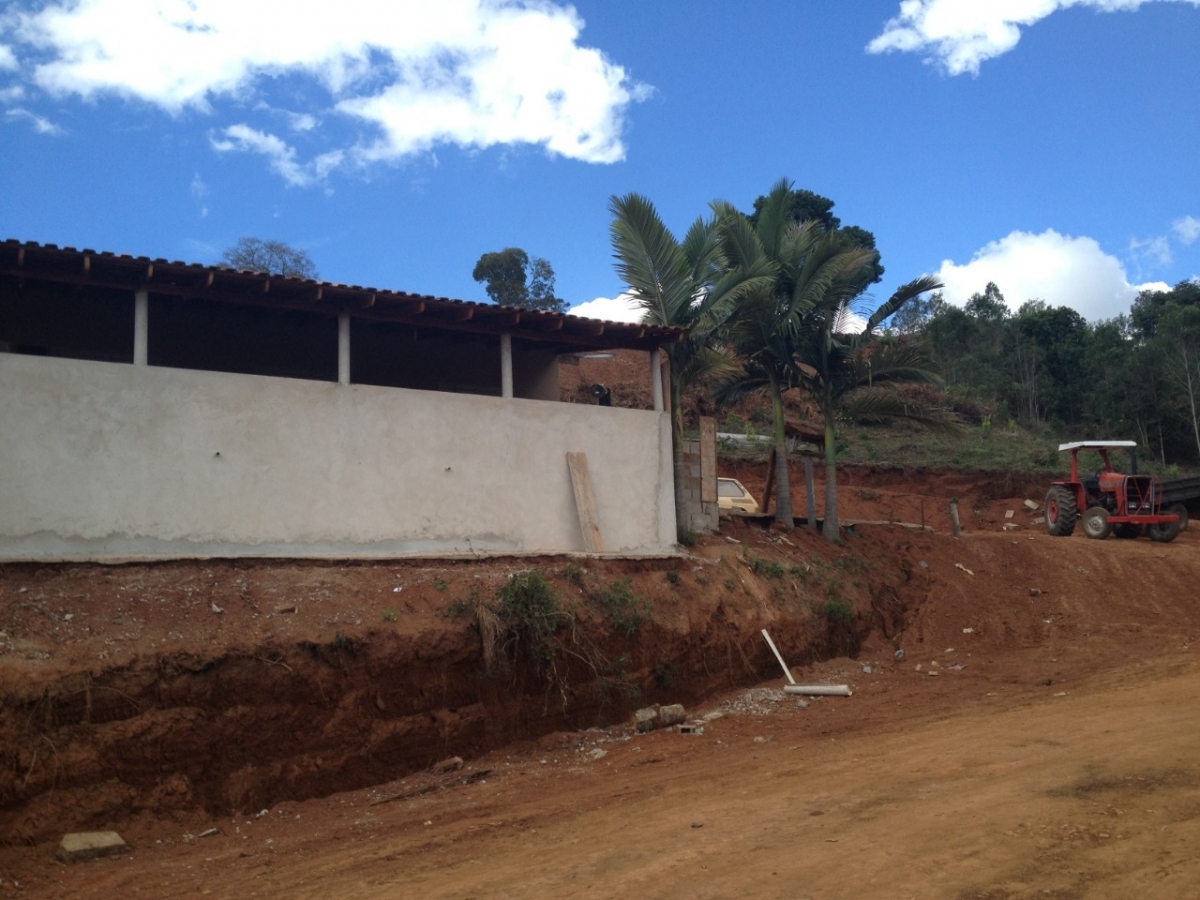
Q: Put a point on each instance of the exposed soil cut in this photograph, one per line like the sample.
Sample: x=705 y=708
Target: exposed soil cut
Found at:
x=1026 y=727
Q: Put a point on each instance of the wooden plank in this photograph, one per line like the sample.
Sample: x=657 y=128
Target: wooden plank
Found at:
x=585 y=502
x=708 y=460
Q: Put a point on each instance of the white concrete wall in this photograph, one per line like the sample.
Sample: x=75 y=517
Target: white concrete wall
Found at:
x=104 y=460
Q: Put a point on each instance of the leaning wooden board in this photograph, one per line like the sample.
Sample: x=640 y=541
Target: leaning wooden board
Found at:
x=585 y=502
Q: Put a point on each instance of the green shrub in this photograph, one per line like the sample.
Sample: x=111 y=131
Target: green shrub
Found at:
x=673 y=576
x=837 y=612
x=389 y=615
x=765 y=568
x=622 y=608
x=686 y=537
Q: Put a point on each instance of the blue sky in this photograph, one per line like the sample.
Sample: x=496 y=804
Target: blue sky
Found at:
x=1051 y=146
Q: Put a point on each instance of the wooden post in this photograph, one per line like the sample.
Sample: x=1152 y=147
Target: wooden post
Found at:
x=810 y=498
x=954 y=525
x=708 y=459
x=769 y=490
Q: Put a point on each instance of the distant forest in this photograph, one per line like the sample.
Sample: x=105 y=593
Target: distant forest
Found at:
x=1133 y=377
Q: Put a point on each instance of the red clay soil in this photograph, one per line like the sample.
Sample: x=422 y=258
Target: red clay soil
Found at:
x=1026 y=729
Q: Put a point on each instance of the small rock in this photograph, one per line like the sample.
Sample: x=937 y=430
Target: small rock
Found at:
x=281 y=610
x=216 y=608
x=801 y=704
x=453 y=764
x=208 y=833
x=1034 y=592
x=85 y=845
x=866 y=670
x=933 y=673
x=599 y=753
x=691 y=729
x=1040 y=520
x=697 y=824
x=923 y=564
x=968 y=631
x=899 y=654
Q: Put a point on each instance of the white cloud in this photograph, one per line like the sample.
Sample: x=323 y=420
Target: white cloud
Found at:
x=1156 y=250
x=8 y=59
x=961 y=34
x=621 y=308
x=1056 y=268
x=281 y=156
x=475 y=73
x=1187 y=229
x=40 y=124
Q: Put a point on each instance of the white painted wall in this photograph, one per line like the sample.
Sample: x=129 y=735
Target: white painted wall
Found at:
x=104 y=460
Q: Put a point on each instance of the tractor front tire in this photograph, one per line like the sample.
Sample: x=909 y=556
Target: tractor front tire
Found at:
x=1060 y=512
x=1163 y=533
x=1096 y=524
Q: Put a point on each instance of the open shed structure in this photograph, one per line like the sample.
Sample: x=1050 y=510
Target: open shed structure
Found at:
x=163 y=409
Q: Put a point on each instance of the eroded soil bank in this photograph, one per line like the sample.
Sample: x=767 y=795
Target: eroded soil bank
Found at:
x=185 y=688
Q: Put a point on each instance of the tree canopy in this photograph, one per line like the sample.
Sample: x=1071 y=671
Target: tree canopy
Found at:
x=806 y=206
x=513 y=279
x=273 y=257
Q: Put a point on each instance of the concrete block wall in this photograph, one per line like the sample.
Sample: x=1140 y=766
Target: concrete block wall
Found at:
x=701 y=516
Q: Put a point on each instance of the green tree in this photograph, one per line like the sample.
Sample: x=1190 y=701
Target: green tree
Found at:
x=513 y=279
x=810 y=265
x=686 y=285
x=806 y=206
x=857 y=374
x=273 y=257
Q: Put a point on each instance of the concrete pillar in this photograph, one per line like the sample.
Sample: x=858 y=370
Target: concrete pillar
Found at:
x=656 y=385
x=141 y=327
x=506 y=372
x=343 y=348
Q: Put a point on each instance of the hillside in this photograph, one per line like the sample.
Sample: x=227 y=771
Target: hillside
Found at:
x=1051 y=754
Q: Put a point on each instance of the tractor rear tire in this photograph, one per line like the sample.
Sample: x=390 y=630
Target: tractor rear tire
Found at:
x=1095 y=523
x=1060 y=512
x=1163 y=533
x=1178 y=509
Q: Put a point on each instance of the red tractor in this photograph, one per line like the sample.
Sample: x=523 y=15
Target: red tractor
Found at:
x=1109 y=502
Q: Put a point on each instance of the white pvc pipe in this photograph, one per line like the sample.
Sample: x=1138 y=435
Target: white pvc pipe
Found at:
x=782 y=664
x=819 y=690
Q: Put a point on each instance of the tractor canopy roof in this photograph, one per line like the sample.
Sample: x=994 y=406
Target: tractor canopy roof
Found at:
x=1096 y=445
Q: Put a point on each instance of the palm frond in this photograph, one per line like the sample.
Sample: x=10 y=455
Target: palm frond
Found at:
x=902 y=295
x=885 y=403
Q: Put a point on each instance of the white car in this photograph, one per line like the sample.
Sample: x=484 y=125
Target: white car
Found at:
x=733 y=496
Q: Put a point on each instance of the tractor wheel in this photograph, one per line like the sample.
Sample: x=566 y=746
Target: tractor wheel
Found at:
x=1127 y=530
x=1178 y=509
x=1095 y=523
x=1163 y=533
x=1060 y=512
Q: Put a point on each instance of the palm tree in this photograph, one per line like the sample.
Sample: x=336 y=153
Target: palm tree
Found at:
x=812 y=268
x=686 y=285
x=857 y=374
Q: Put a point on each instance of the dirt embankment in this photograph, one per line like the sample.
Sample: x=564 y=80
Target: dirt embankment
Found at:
x=186 y=689
x=1035 y=738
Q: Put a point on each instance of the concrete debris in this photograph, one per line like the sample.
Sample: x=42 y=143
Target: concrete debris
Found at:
x=1009 y=526
x=931 y=672
x=217 y=609
x=671 y=715
x=645 y=719
x=1008 y=514
x=1031 y=504
x=923 y=564
x=1040 y=520
x=968 y=631
x=866 y=670
x=599 y=753
x=691 y=729
x=209 y=832
x=85 y=845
